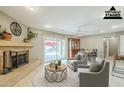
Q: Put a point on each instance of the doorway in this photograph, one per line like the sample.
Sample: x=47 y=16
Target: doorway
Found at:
x=106 y=47
x=110 y=47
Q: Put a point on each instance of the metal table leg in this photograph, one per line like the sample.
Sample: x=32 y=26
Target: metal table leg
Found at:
x=54 y=76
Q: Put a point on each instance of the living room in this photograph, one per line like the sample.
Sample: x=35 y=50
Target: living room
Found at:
x=43 y=45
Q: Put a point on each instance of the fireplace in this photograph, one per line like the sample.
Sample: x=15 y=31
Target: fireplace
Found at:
x=14 y=59
x=14 y=54
x=19 y=58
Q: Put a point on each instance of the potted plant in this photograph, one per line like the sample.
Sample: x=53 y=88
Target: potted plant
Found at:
x=59 y=62
x=30 y=35
x=4 y=34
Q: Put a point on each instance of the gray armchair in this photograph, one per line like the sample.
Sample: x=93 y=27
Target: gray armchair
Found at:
x=73 y=64
x=94 y=79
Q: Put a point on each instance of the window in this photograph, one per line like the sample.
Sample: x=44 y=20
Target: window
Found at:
x=54 y=49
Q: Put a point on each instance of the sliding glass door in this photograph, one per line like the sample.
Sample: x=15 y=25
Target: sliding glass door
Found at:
x=54 y=49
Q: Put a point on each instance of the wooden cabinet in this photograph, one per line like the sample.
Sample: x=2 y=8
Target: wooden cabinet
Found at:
x=73 y=47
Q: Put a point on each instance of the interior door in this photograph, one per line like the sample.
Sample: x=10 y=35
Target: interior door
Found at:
x=106 y=47
x=110 y=47
x=113 y=46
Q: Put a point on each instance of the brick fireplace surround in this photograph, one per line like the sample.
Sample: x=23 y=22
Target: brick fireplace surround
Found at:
x=6 y=46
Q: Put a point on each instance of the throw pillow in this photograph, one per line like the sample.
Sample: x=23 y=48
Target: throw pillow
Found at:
x=77 y=57
x=100 y=61
x=84 y=58
x=94 y=67
x=82 y=55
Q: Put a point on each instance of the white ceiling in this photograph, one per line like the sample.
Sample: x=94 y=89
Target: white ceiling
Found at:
x=66 y=19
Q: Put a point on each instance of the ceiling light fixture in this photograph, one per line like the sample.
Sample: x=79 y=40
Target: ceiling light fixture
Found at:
x=47 y=26
x=31 y=8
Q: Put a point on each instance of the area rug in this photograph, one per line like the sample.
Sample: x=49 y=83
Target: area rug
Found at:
x=71 y=81
x=118 y=73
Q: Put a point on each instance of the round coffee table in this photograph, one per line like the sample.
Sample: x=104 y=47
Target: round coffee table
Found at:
x=55 y=75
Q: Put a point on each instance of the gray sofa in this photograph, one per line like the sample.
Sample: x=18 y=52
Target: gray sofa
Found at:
x=94 y=79
x=73 y=64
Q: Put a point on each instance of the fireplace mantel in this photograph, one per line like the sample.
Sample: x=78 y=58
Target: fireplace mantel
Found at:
x=5 y=43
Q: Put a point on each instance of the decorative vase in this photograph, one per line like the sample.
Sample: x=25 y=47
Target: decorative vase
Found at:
x=7 y=36
x=59 y=63
x=56 y=66
x=26 y=40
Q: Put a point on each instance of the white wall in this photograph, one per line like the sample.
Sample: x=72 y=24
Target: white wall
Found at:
x=93 y=42
x=5 y=21
x=38 y=43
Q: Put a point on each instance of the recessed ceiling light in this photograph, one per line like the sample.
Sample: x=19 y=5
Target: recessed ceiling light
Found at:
x=31 y=8
x=47 y=26
x=115 y=26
